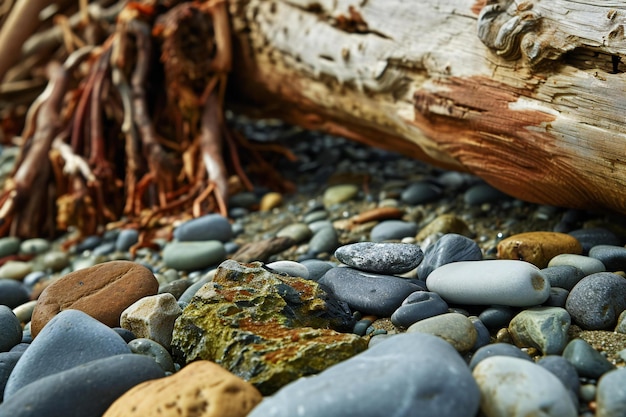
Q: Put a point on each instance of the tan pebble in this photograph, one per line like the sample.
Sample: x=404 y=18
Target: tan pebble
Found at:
x=503 y=336
x=201 y=388
x=377 y=214
x=270 y=201
x=446 y=223
x=538 y=247
x=103 y=291
x=152 y=318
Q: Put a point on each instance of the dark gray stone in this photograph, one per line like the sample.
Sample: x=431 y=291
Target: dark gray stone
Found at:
x=10 y=329
x=613 y=257
x=449 y=248
x=563 y=370
x=125 y=239
x=70 y=339
x=324 y=240
x=404 y=375
x=317 y=268
x=589 y=363
x=595 y=236
x=152 y=349
x=393 y=230
x=496 y=317
x=418 y=306
x=597 y=300
x=484 y=337
x=558 y=297
x=368 y=293
x=483 y=193
x=497 y=349
x=13 y=293
x=209 y=227
x=7 y=363
x=380 y=258
x=563 y=276
x=88 y=243
x=85 y=390
x=421 y=193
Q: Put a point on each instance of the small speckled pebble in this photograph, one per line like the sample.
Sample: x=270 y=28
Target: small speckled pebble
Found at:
x=382 y=258
x=154 y=350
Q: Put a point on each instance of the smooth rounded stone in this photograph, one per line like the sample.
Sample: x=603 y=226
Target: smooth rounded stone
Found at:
x=85 y=390
x=127 y=335
x=10 y=329
x=504 y=282
x=15 y=270
x=483 y=337
x=186 y=297
x=244 y=200
x=201 y=386
x=153 y=350
x=70 y=339
x=317 y=268
x=375 y=294
x=34 y=246
x=596 y=302
x=563 y=370
x=338 y=194
x=498 y=349
x=205 y=228
x=537 y=247
x=318 y=225
x=55 y=260
x=24 y=312
x=13 y=293
x=496 y=317
x=544 y=328
x=22 y=346
x=381 y=258
x=587 y=392
x=176 y=288
x=315 y=216
x=192 y=256
x=589 y=363
x=299 y=232
x=291 y=268
x=8 y=360
x=513 y=387
x=270 y=201
x=152 y=317
x=444 y=224
x=483 y=193
x=88 y=243
x=418 y=306
x=449 y=248
x=595 y=236
x=557 y=298
x=620 y=327
x=612 y=257
x=454 y=328
x=104 y=249
x=103 y=291
x=414 y=373
x=34 y=277
x=125 y=239
x=9 y=246
x=421 y=193
x=563 y=276
x=584 y=263
x=324 y=240
x=610 y=395
x=393 y=230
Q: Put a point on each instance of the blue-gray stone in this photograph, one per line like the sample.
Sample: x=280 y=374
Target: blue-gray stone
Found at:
x=299 y=232
x=584 y=263
x=317 y=268
x=594 y=236
x=557 y=298
x=449 y=248
x=483 y=336
x=324 y=240
x=106 y=248
x=70 y=339
x=563 y=276
x=125 y=239
x=7 y=363
x=186 y=297
x=127 y=335
x=21 y=347
x=9 y=246
x=497 y=349
x=418 y=306
x=421 y=193
x=611 y=395
x=597 y=300
x=613 y=257
x=152 y=349
x=589 y=363
x=85 y=390
x=318 y=225
x=192 y=256
x=496 y=317
x=315 y=216
x=10 y=329
x=291 y=268
x=380 y=258
x=13 y=293
x=209 y=227
x=483 y=193
x=368 y=293
x=393 y=230
x=404 y=375
x=455 y=328
x=33 y=278
x=88 y=243
x=244 y=199
x=565 y=371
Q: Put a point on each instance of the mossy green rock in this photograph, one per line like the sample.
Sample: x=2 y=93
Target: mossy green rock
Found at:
x=266 y=328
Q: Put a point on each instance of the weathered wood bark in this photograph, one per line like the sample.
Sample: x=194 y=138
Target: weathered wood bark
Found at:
x=529 y=95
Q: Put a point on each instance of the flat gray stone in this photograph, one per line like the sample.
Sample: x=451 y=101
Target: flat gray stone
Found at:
x=584 y=263
x=544 y=328
x=209 y=227
x=191 y=256
x=381 y=258
x=563 y=276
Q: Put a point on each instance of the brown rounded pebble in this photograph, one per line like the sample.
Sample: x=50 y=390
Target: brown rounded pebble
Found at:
x=538 y=247
x=270 y=201
x=503 y=336
x=379 y=213
x=103 y=291
x=201 y=388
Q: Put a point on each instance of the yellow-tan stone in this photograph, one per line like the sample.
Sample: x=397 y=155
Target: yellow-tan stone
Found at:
x=538 y=247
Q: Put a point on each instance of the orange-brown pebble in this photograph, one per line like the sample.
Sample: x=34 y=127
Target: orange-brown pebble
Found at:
x=201 y=388
x=270 y=201
x=379 y=213
x=103 y=291
x=538 y=247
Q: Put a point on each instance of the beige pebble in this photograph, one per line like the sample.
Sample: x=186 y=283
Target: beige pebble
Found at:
x=271 y=201
x=152 y=318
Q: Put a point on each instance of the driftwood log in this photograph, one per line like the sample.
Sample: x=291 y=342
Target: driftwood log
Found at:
x=529 y=95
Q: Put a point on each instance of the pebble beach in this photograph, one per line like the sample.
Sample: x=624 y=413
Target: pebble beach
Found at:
x=382 y=286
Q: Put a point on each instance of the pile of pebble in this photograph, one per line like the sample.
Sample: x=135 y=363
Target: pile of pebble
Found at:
x=471 y=302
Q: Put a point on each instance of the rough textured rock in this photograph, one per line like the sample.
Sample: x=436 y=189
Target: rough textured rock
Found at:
x=538 y=247
x=265 y=328
x=542 y=327
x=103 y=291
x=201 y=388
x=153 y=318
